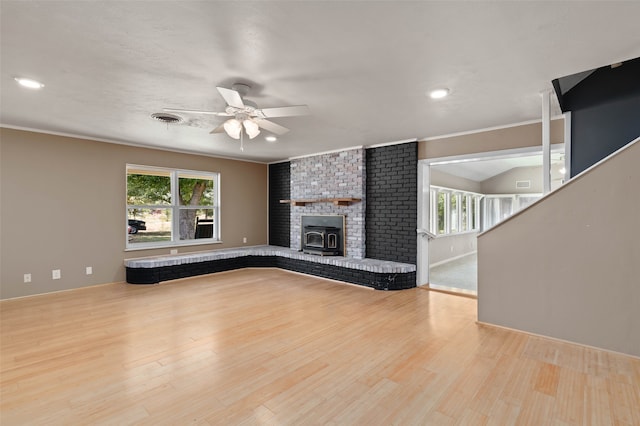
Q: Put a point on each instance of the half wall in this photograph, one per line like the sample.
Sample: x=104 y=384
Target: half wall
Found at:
x=568 y=266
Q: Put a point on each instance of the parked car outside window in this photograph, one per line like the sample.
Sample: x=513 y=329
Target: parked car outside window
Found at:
x=136 y=225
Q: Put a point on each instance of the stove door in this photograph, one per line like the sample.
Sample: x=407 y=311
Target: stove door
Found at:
x=314 y=239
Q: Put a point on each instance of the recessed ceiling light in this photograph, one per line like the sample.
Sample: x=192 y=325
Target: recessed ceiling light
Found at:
x=270 y=138
x=27 y=82
x=439 y=93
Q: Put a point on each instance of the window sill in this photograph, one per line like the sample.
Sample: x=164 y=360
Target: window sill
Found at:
x=173 y=245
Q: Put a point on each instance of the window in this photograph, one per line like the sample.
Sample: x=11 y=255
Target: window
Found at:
x=168 y=207
x=499 y=207
x=496 y=210
x=442 y=212
x=453 y=211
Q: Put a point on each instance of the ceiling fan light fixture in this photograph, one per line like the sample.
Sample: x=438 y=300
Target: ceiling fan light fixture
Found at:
x=233 y=128
x=439 y=93
x=245 y=116
x=270 y=138
x=251 y=127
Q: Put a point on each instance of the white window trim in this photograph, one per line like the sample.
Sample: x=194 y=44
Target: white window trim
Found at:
x=515 y=206
x=175 y=209
x=433 y=217
x=468 y=203
x=447 y=212
x=448 y=192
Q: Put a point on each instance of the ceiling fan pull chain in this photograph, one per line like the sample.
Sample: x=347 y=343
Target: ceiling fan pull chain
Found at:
x=242 y=140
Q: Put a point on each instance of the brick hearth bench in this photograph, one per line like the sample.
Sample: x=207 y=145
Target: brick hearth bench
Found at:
x=378 y=274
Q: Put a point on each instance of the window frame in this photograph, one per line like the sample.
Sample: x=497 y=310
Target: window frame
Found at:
x=174 y=207
x=515 y=206
x=472 y=215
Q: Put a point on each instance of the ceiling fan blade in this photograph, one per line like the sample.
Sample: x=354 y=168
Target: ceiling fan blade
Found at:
x=195 y=111
x=232 y=97
x=288 y=111
x=219 y=129
x=272 y=127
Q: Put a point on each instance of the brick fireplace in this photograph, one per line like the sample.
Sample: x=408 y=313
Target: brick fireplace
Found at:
x=386 y=177
x=325 y=176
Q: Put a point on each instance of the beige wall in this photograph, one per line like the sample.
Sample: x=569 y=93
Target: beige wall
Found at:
x=451 y=246
x=505 y=183
x=63 y=207
x=567 y=267
x=492 y=140
x=439 y=178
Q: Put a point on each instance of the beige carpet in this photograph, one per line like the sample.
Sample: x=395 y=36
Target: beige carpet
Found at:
x=461 y=273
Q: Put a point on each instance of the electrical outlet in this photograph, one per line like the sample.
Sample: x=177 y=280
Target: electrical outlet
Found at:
x=173 y=251
x=55 y=274
x=27 y=278
x=244 y=240
x=89 y=270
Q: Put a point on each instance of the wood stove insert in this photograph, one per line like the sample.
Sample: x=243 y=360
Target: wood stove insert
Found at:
x=323 y=235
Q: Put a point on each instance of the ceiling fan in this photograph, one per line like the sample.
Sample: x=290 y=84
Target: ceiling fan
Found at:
x=245 y=115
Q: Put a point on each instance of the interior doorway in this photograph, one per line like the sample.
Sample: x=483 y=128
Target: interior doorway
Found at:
x=463 y=197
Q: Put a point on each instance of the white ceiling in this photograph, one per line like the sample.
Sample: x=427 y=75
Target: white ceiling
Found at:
x=362 y=67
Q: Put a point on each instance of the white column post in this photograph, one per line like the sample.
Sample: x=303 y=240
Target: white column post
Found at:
x=424 y=200
x=567 y=145
x=546 y=143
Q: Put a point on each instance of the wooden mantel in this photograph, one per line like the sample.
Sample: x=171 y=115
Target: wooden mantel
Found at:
x=336 y=201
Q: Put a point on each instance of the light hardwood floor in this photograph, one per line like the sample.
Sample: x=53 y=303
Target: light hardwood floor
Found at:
x=265 y=346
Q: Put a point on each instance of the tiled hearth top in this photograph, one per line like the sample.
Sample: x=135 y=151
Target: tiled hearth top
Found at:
x=370 y=265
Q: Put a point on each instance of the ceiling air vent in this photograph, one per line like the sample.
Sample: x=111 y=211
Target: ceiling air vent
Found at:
x=167 y=118
x=523 y=184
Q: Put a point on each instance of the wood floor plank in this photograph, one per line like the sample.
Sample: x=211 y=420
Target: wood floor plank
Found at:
x=570 y=398
x=503 y=413
x=265 y=346
x=547 y=379
x=488 y=395
x=626 y=411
